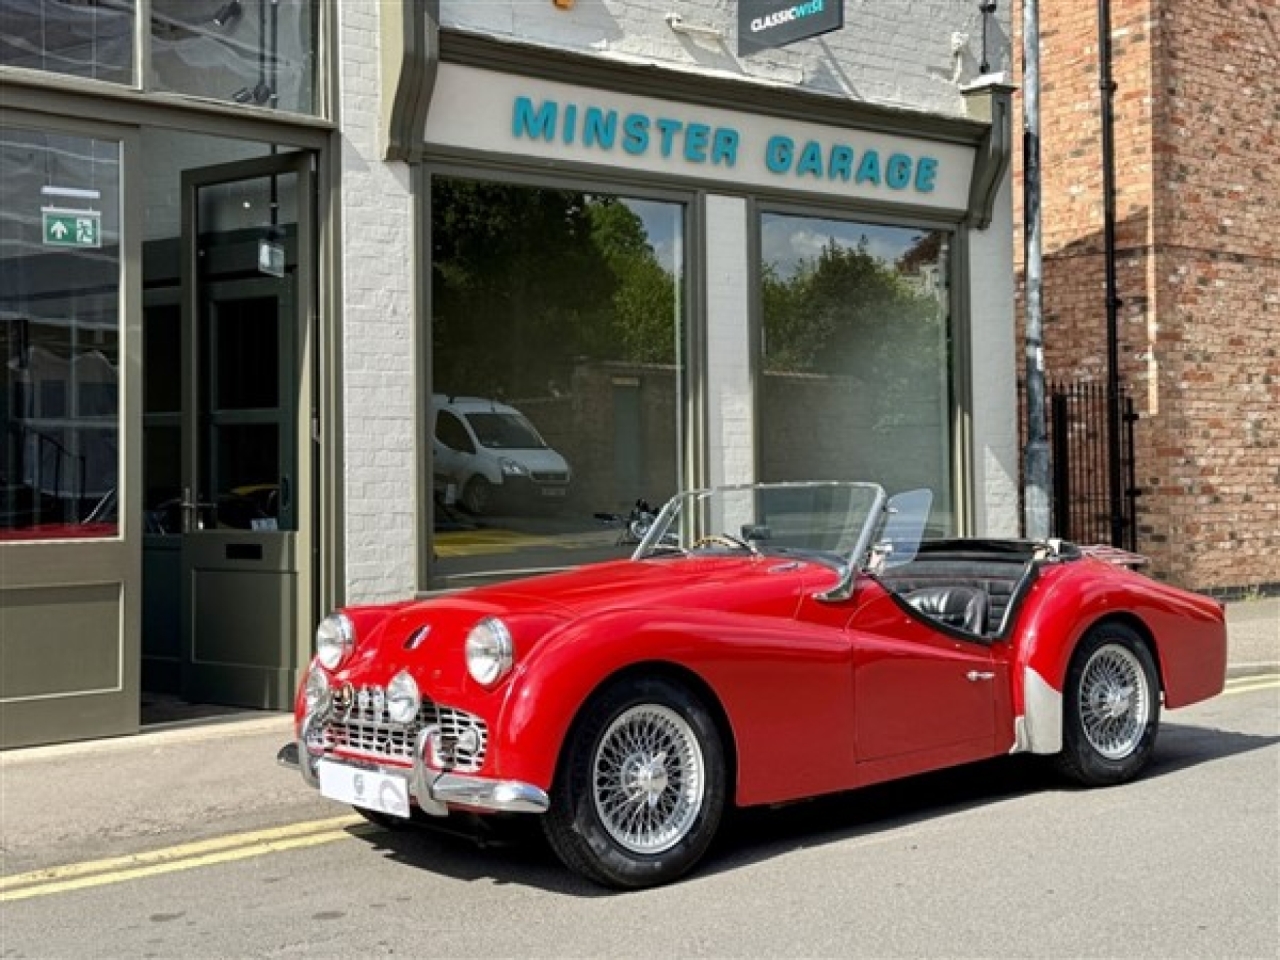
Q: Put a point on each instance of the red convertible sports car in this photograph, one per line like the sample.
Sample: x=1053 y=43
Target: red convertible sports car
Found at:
x=763 y=644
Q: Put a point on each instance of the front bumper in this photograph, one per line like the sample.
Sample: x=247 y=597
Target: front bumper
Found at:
x=434 y=790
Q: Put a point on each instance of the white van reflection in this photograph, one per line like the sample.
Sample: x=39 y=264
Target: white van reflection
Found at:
x=488 y=456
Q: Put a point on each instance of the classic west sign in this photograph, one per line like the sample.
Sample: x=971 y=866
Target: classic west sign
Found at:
x=478 y=110
x=775 y=23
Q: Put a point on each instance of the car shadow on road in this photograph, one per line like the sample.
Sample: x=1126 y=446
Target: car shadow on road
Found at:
x=518 y=854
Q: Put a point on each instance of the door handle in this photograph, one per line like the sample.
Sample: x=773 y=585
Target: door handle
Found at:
x=973 y=676
x=191 y=508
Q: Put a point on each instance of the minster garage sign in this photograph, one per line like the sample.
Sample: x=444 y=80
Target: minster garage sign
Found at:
x=775 y=23
x=478 y=112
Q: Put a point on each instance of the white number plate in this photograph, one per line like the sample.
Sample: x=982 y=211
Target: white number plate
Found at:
x=553 y=491
x=371 y=789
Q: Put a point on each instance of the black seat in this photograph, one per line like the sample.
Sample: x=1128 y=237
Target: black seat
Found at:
x=964 y=608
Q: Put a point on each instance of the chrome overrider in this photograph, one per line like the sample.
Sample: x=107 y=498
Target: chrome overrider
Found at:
x=434 y=789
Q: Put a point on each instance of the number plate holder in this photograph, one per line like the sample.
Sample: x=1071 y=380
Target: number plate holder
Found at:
x=371 y=789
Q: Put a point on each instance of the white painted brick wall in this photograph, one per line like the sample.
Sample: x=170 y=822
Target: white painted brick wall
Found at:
x=995 y=371
x=903 y=53
x=730 y=427
x=377 y=329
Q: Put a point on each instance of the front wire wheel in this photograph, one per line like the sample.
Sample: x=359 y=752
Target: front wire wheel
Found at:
x=641 y=787
x=648 y=779
x=1112 y=708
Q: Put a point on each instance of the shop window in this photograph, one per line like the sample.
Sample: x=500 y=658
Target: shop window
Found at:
x=857 y=360
x=59 y=335
x=254 y=52
x=89 y=40
x=558 y=370
x=258 y=53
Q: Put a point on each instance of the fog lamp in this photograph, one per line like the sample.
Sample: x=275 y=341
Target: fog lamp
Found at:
x=317 y=688
x=403 y=699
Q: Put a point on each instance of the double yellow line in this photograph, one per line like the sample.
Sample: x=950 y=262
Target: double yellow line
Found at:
x=187 y=856
x=1261 y=681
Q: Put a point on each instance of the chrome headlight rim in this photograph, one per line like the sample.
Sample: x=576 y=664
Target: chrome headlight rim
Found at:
x=403 y=698
x=335 y=639
x=490 y=652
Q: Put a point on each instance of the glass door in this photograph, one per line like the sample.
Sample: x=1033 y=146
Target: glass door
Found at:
x=241 y=513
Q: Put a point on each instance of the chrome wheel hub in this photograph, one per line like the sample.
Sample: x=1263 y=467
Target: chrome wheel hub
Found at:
x=1115 y=701
x=648 y=779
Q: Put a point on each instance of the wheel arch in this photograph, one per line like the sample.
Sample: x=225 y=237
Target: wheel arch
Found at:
x=675 y=673
x=1044 y=681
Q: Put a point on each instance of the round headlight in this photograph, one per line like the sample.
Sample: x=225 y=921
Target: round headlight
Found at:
x=317 y=688
x=335 y=639
x=489 y=651
x=402 y=697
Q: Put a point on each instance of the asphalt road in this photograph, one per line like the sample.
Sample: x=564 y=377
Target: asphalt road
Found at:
x=224 y=855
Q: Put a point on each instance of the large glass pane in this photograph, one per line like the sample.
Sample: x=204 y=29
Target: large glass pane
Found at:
x=243 y=465
x=857 y=362
x=558 y=372
x=93 y=40
x=59 y=334
x=246 y=356
x=256 y=52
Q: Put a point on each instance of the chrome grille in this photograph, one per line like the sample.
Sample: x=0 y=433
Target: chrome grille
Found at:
x=368 y=730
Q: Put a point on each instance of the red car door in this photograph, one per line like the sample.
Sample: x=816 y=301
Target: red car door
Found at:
x=922 y=698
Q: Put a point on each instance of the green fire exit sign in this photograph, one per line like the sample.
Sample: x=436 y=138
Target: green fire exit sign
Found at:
x=72 y=228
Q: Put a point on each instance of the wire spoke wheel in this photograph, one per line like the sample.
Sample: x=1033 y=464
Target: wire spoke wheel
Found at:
x=641 y=786
x=648 y=779
x=1111 y=707
x=1115 y=701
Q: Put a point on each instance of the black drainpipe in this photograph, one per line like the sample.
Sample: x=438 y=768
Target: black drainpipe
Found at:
x=1108 y=88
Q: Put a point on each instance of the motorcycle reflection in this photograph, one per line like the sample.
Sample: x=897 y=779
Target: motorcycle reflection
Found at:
x=632 y=526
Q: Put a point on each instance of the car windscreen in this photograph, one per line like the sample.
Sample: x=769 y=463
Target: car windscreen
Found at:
x=505 y=431
x=830 y=519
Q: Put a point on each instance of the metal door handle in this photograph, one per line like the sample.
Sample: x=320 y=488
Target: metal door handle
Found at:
x=975 y=675
x=191 y=508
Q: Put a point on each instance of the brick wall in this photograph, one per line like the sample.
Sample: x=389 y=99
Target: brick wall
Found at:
x=1197 y=134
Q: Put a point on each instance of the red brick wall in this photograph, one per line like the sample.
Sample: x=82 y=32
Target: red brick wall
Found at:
x=1197 y=152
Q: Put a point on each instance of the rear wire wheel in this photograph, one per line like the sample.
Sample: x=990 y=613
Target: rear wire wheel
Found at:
x=1111 y=708
x=641 y=786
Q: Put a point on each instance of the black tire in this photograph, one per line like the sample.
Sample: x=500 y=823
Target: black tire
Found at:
x=1111 y=708
x=477 y=496
x=647 y=743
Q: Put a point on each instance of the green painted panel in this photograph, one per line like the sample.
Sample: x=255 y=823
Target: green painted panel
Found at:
x=60 y=640
x=243 y=618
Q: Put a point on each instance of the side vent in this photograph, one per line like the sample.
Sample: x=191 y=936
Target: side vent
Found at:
x=415 y=639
